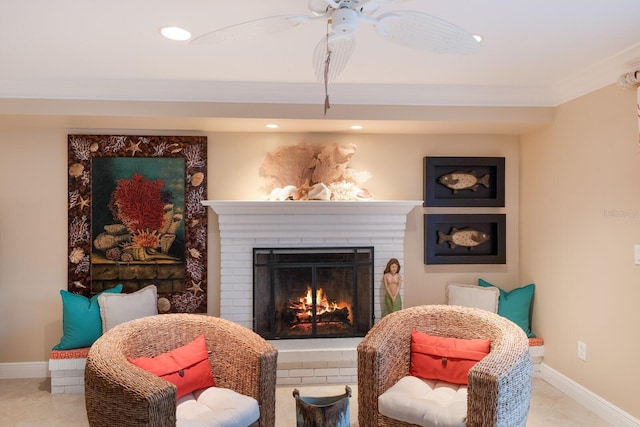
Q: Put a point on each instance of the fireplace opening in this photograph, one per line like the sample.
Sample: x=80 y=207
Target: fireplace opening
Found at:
x=312 y=292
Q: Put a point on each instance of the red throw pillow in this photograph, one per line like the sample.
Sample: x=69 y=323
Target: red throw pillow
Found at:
x=446 y=359
x=187 y=367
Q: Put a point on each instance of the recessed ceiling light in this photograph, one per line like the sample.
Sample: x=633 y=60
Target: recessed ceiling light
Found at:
x=272 y=126
x=175 y=33
x=478 y=37
x=356 y=127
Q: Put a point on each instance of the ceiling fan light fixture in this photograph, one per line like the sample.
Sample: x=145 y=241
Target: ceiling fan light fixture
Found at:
x=344 y=21
x=175 y=33
x=478 y=37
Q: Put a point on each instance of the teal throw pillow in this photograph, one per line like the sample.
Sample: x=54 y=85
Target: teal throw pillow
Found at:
x=515 y=305
x=81 y=321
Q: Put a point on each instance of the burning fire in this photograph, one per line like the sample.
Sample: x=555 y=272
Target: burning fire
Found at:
x=326 y=311
x=322 y=302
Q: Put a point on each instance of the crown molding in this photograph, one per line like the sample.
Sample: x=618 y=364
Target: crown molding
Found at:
x=597 y=76
x=578 y=84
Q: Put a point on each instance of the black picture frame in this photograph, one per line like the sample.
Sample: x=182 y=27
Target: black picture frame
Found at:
x=442 y=248
x=486 y=184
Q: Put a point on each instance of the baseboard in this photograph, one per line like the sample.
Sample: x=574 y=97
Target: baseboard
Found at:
x=24 y=370
x=596 y=404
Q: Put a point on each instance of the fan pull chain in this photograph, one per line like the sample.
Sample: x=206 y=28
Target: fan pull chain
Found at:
x=326 y=82
x=326 y=72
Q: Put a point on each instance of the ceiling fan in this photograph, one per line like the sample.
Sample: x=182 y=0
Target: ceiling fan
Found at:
x=332 y=52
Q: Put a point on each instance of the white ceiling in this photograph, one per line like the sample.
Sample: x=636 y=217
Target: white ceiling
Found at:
x=534 y=53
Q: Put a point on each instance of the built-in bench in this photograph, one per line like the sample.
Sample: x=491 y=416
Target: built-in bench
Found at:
x=536 y=350
x=67 y=370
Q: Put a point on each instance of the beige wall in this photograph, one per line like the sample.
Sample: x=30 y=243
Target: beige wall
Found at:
x=33 y=244
x=579 y=221
x=573 y=214
x=396 y=164
x=33 y=216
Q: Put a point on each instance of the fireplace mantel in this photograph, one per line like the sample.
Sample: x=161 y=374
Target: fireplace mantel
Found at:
x=312 y=207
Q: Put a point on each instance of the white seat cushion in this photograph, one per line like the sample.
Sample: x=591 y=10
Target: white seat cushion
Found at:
x=216 y=407
x=427 y=403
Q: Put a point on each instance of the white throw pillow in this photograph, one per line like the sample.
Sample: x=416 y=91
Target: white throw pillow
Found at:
x=473 y=296
x=141 y=303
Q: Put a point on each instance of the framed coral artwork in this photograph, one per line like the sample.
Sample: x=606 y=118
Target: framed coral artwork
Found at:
x=136 y=217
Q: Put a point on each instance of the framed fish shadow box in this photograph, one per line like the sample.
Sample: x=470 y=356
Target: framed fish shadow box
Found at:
x=464 y=181
x=465 y=238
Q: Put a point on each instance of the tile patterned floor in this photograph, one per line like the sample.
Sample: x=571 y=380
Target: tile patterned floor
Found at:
x=28 y=403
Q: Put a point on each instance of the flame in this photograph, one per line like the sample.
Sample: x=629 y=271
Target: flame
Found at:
x=322 y=302
x=326 y=312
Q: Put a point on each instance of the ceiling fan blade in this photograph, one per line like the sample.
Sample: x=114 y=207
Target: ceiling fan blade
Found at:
x=341 y=47
x=252 y=29
x=322 y=6
x=422 y=31
x=367 y=7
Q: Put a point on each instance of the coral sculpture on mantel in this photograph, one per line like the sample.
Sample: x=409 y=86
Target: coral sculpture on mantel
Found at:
x=303 y=172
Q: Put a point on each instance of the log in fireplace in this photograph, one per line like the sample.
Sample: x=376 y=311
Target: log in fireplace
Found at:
x=312 y=292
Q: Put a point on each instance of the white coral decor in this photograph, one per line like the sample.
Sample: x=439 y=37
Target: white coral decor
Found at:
x=343 y=190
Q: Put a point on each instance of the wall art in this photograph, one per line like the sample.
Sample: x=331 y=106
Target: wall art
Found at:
x=136 y=217
x=465 y=239
x=463 y=181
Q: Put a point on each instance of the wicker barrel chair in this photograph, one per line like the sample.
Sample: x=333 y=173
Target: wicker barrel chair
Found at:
x=119 y=394
x=499 y=388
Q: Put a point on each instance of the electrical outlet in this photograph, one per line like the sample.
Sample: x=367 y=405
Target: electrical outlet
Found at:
x=582 y=350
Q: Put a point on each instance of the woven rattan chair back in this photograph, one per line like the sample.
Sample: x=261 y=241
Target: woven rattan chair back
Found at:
x=499 y=388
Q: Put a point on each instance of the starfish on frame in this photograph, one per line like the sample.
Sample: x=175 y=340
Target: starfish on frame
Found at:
x=134 y=147
x=83 y=203
x=195 y=287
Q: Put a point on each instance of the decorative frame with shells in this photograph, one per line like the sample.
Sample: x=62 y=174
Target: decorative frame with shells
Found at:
x=125 y=227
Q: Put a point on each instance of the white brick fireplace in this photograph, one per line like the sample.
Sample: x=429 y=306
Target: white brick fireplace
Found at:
x=245 y=225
